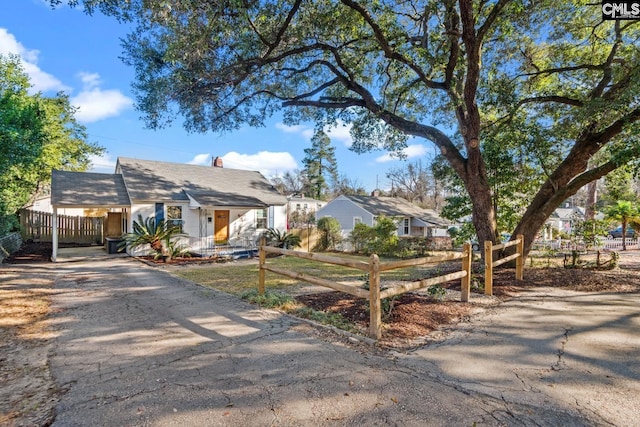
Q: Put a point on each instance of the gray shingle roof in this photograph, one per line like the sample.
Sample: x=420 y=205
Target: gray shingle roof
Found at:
x=396 y=206
x=86 y=189
x=149 y=180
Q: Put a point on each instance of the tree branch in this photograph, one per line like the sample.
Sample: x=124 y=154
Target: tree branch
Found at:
x=389 y=52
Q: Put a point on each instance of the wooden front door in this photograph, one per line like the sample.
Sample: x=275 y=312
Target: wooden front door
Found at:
x=113 y=227
x=221 y=226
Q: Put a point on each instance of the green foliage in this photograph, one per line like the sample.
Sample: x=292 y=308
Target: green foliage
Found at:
x=437 y=292
x=282 y=239
x=332 y=319
x=380 y=239
x=37 y=134
x=156 y=234
x=590 y=231
x=269 y=299
x=625 y=212
x=320 y=166
x=330 y=234
x=176 y=250
x=360 y=237
x=618 y=185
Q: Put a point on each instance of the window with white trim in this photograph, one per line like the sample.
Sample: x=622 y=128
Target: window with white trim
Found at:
x=406 y=226
x=261 y=218
x=174 y=217
x=357 y=220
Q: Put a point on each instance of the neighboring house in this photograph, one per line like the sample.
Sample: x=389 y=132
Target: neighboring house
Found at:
x=412 y=220
x=211 y=205
x=43 y=204
x=562 y=219
x=302 y=209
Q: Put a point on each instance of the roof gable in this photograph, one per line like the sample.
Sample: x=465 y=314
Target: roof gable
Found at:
x=149 y=180
x=87 y=189
x=395 y=207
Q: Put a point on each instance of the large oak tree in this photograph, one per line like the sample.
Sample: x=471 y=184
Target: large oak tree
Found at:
x=451 y=72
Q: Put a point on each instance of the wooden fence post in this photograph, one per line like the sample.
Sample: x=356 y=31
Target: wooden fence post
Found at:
x=261 y=271
x=375 y=314
x=465 y=282
x=488 y=267
x=520 y=259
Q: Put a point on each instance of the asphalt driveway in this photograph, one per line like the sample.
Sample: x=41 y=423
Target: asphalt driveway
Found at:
x=138 y=347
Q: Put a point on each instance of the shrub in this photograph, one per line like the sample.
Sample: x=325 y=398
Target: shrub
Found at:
x=330 y=234
x=156 y=234
x=283 y=240
x=380 y=239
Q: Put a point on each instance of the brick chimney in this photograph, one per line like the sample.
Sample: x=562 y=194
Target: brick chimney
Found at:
x=217 y=162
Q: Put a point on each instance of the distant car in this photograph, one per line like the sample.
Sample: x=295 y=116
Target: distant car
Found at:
x=616 y=233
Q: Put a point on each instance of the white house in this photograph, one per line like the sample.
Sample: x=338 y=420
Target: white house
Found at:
x=212 y=205
x=300 y=209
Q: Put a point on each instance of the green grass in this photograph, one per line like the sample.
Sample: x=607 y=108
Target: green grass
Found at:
x=237 y=279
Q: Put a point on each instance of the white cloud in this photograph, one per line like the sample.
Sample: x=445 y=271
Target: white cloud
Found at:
x=200 y=159
x=338 y=133
x=89 y=80
x=290 y=129
x=96 y=104
x=341 y=132
x=267 y=162
x=412 y=151
x=40 y=80
x=103 y=164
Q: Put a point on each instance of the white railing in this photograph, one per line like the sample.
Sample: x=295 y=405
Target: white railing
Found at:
x=570 y=245
x=207 y=246
x=616 y=244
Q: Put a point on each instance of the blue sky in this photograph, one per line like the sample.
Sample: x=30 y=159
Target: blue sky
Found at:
x=65 y=50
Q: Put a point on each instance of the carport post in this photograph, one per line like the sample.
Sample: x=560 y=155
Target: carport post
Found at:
x=261 y=271
x=54 y=235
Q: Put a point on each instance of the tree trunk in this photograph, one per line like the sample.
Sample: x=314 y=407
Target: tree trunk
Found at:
x=590 y=209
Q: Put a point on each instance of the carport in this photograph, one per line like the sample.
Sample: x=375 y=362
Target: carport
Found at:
x=87 y=190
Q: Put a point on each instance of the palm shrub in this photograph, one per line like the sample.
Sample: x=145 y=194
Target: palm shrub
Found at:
x=283 y=239
x=156 y=234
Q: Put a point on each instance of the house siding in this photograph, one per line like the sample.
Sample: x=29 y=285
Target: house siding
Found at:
x=344 y=210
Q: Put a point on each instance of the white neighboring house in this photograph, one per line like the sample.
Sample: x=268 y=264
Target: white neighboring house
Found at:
x=413 y=221
x=211 y=205
x=300 y=208
x=562 y=219
x=43 y=204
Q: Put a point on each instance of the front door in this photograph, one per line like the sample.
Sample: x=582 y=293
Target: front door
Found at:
x=221 y=227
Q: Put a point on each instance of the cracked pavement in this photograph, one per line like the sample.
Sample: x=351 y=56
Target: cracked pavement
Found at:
x=139 y=347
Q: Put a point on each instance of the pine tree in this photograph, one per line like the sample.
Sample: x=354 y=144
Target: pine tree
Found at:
x=320 y=166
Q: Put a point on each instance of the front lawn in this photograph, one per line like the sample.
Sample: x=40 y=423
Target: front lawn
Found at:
x=237 y=279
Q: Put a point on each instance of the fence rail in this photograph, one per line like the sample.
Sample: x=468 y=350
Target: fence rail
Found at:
x=374 y=267
x=38 y=226
x=490 y=264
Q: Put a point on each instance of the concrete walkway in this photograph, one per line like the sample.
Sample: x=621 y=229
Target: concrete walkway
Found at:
x=139 y=347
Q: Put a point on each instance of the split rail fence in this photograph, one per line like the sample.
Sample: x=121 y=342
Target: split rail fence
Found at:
x=490 y=264
x=373 y=267
x=38 y=226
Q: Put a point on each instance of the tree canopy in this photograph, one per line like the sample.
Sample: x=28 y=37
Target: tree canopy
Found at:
x=551 y=79
x=37 y=134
